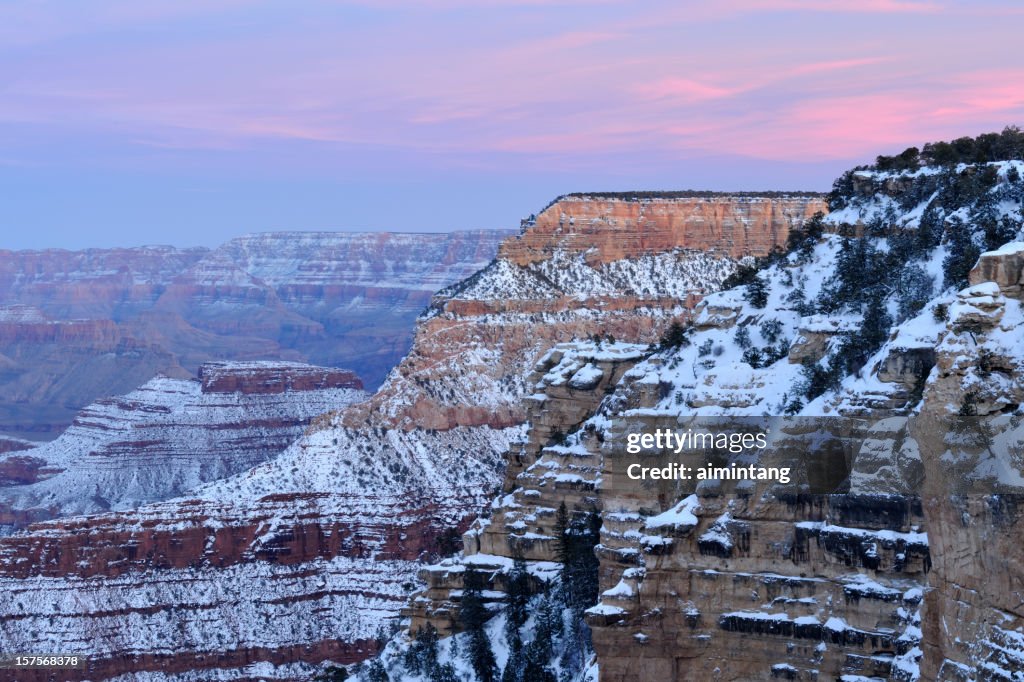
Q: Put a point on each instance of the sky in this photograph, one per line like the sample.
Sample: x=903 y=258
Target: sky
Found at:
x=189 y=122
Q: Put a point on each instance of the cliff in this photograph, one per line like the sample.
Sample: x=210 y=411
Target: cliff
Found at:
x=348 y=513
x=881 y=318
x=606 y=229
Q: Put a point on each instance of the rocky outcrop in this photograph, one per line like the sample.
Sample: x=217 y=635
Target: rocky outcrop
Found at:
x=266 y=378
x=1004 y=267
x=885 y=581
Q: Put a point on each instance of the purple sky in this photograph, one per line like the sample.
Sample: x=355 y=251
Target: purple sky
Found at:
x=188 y=122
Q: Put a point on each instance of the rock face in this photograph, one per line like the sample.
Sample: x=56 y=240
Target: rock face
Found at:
x=76 y=326
x=914 y=574
x=608 y=228
x=169 y=436
x=1004 y=266
x=340 y=522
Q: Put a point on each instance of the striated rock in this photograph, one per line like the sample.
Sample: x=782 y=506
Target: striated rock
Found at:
x=171 y=435
x=1004 y=266
x=748 y=582
x=272 y=377
x=604 y=229
x=350 y=511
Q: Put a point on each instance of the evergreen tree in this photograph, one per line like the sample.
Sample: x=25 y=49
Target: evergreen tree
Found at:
x=753 y=357
x=474 y=616
x=421 y=656
x=877 y=321
x=514 y=667
x=743 y=337
x=803 y=239
x=757 y=292
x=913 y=290
x=963 y=254
x=561 y=530
x=676 y=336
x=332 y=673
x=517 y=596
x=375 y=672
x=535 y=671
x=580 y=568
x=549 y=626
x=444 y=673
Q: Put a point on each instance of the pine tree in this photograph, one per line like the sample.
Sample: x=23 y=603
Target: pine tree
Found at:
x=444 y=673
x=332 y=673
x=549 y=626
x=757 y=292
x=963 y=254
x=535 y=671
x=375 y=672
x=474 y=616
x=517 y=600
x=877 y=322
x=580 y=569
x=482 y=657
x=518 y=593
x=514 y=668
x=676 y=336
x=421 y=656
x=561 y=530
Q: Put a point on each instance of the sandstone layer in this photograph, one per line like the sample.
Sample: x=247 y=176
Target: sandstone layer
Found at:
x=349 y=512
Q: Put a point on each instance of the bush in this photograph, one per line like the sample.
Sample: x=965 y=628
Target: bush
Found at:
x=676 y=336
x=803 y=239
x=771 y=330
x=743 y=337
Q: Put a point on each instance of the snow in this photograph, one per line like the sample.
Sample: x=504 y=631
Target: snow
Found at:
x=886 y=536
x=586 y=376
x=22 y=314
x=683 y=514
x=1010 y=249
x=168 y=437
x=605 y=610
x=757 y=615
x=622 y=590
x=718 y=533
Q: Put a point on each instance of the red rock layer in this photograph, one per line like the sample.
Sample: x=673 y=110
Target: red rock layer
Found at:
x=270 y=378
x=606 y=230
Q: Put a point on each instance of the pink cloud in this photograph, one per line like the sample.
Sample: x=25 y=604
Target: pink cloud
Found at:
x=837 y=65
x=685 y=89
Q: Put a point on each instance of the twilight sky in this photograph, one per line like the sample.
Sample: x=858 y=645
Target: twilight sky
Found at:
x=189 y=122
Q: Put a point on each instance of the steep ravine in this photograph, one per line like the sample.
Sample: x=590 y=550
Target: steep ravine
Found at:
x=303 y=558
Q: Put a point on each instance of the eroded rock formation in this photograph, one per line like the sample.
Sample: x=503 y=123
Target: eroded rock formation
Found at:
x=338 y=524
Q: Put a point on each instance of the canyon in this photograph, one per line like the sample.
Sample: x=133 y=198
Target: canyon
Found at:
x=911 y=572
x=513 y=401
x=340 y=522
x=80 y=325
